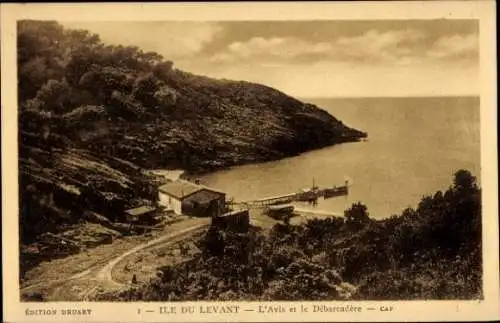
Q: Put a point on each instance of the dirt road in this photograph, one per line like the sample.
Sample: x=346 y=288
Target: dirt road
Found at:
x=83 y=284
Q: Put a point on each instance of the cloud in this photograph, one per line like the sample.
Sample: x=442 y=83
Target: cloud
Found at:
x=186 y=42
x=455 y=46
x=260 y=48
x=400 y=47
x=370 y=58
x=171 y=39
x=375 y=46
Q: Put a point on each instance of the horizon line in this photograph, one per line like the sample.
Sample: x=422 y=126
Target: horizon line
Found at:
x=391 y=97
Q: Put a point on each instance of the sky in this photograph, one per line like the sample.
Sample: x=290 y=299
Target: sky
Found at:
x=339 y=58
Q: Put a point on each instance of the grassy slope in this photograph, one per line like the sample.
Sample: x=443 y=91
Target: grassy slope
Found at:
x=431 y=252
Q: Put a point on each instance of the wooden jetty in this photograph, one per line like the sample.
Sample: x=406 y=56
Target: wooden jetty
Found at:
x=308 y=195
x=279 y=199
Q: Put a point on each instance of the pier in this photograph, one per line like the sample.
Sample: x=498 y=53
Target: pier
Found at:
x=308 y=195
x=279 y=199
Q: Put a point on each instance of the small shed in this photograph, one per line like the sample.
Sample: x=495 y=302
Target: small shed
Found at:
x=238 y=221
x=184 y=197
x=141 y=215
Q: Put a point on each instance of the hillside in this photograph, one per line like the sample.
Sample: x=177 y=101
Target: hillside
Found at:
x=134 y=105
x=91 y=116
x=429 y=252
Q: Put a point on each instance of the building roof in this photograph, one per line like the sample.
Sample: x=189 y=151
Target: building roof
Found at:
x=140 y=210
x=181 y=189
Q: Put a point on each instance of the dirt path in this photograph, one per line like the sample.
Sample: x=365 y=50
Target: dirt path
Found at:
x=105 y=273
x=82 y=285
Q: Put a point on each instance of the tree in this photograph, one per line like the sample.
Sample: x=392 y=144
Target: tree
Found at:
x=145 y=88
x=162 y=70
x=357 y=215
x=464 y=181
x=214 y=243
x=52 y=96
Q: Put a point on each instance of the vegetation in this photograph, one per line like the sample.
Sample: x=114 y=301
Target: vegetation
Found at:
x=431 y=252
x=92 y=115
x=75 y=91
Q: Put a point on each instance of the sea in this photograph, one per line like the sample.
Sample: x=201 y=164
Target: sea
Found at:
x=413 y=148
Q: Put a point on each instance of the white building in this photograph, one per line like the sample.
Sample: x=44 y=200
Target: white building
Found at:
x=183 y=197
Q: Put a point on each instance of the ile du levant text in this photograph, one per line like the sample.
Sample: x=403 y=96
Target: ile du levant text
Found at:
x=235 y=309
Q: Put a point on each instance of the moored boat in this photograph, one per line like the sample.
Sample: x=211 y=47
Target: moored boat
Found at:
x=280 y=212
x=336 y=191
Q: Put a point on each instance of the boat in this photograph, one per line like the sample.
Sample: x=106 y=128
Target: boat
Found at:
x=336 y=191
x=280 y=212
x=313 y=193
x=281 y=208
x=309 y=194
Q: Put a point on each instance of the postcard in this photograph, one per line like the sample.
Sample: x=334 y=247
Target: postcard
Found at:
x=249 y=162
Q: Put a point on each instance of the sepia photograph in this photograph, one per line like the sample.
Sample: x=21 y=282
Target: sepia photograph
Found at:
x=271 y=160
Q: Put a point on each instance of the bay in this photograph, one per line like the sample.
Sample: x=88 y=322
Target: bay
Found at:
x=414 y=146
